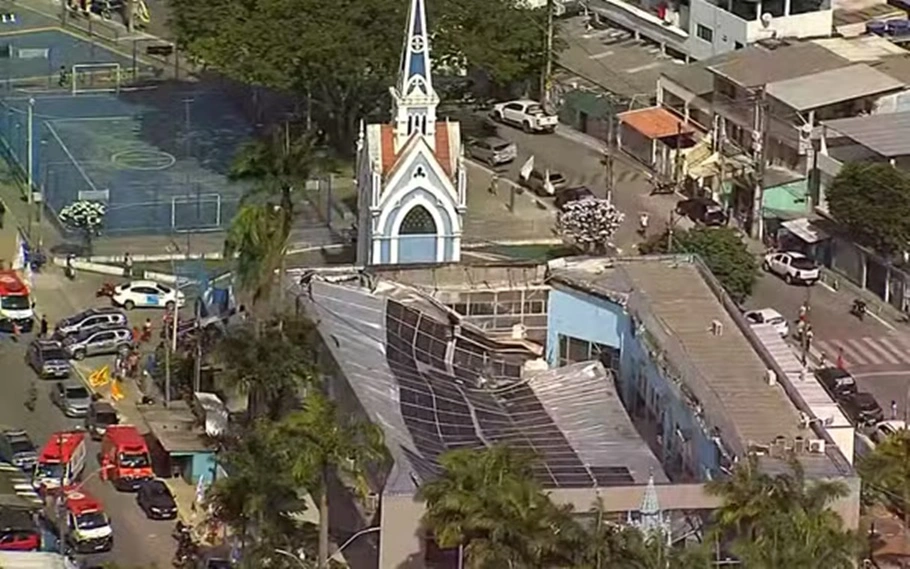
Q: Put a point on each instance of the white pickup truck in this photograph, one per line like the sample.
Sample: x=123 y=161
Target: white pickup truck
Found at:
x=529 y=115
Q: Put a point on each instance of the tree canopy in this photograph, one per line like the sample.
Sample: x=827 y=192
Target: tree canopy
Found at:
x=721 y=248
x=590 y=224
x=872 y=201
x=345 y=53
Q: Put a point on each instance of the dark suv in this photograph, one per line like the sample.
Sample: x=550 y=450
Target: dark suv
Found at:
x=17 y=448
x=837 y=382
x=88 y=319
x=569 y=195
x=863 y=409
x=702 y=210
x=48 y=358
x=101 y=415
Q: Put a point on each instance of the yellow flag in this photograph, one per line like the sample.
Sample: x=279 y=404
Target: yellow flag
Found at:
x=116 y=391
x=100 y=376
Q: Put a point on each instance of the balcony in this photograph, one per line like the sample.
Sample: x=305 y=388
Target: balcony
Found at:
x=669 y=31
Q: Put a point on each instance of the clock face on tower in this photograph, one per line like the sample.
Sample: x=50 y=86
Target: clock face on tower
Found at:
x=417 y=44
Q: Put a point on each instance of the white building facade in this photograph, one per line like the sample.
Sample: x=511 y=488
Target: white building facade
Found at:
x=410 y=173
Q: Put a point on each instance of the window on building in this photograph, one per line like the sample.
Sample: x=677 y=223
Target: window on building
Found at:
x=705 y=33
x=572 y=350
x=418 y=221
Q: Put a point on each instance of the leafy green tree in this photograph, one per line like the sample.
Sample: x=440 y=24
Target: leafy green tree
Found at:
x=872 y=201
x=317 y=443
x=886 y=472
x=343 y=55
x=252 y=368
x=721 y=248
x=783 y=520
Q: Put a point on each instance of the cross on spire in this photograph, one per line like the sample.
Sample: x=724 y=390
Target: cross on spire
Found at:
x=414 y=98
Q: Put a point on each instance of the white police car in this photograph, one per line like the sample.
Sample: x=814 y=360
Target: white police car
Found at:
x=147 y=294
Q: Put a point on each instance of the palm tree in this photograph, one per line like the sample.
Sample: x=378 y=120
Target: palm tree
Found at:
x=487 y=502
x=783 y=520
x=280 y=165
x=319 y=443
x=252 y=368
x=252 y=500
x=256 y=239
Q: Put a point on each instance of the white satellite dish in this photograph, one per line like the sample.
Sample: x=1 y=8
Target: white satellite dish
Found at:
x=766 y=20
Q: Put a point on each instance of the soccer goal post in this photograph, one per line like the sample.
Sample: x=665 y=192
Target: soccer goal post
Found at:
x=96 y=78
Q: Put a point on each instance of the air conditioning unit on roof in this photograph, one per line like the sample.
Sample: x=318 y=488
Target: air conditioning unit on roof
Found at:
x=817 y=446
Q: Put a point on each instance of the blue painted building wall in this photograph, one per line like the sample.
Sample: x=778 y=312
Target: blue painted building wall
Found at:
x=641 y=383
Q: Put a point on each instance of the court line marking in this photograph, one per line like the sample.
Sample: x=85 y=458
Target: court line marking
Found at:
x=69 y=154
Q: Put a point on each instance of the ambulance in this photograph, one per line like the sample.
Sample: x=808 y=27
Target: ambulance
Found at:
x=15 y=302
x=125 y=458
x=61 y=461
x=87 y=529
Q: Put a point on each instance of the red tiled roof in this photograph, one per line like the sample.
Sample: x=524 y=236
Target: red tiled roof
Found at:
x=442 y=147
x=655 y=122
x=390 y=157
x=387 y=147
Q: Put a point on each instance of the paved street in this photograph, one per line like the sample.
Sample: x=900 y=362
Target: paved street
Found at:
x=878 y=355
x=137 y=541
x=578 y=157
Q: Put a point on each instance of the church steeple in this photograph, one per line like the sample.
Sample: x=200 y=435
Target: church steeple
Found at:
x=414 y=100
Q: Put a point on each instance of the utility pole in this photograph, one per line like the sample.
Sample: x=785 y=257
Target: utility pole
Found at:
x=31 y=163
x=609 y=153
x=759 y=148
x=131 y=16
x=548 y=67
x=804 y=340
x=670 y=232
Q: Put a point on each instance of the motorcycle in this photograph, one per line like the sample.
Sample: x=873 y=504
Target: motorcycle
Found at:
x=181 y=531
x=858 y=308
x=107 y=289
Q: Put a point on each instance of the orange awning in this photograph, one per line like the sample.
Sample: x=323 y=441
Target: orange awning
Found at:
x=655 y=122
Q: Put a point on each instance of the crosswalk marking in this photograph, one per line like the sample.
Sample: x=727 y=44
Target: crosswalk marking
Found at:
x=884 y=352
x=866 y=351
x=902 y=352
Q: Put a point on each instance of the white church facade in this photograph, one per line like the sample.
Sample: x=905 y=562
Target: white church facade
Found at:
x=410 y=174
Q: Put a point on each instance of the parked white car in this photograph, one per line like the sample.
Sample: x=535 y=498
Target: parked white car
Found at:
x=769 y=316
x=147 y=294
x=529 y=115
x=792 y=267
x=885 y=429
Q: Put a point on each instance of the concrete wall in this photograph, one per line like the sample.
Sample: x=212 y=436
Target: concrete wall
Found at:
x=686 y=449
x=582 y=316
x=728 y=28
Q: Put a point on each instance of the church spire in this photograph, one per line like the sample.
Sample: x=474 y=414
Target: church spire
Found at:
x=414 y=98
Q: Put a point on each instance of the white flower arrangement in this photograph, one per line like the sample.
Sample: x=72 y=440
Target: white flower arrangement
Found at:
x=590 y=223
x=85 y=215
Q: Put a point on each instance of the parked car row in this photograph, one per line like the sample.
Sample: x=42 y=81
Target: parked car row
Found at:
x=860 y=406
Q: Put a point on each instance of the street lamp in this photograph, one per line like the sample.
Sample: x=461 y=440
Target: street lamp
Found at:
x=292 y=556
x=355 y=536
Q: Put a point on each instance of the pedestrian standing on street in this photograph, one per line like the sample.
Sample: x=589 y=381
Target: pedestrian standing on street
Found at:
x=494 y=184
x=42 y=327
x=2 y=213
x=823 y=360
x=809 y=335
x=127 y=265
x=840 y=357
x=16 y=331
x=147 y=330
x=893 y=409
x=803 y=312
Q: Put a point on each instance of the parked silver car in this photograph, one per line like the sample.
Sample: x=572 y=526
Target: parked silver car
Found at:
x=98 y=341
x=72 y=397
x=492 y=150
x=537 y=182
x=88 y=319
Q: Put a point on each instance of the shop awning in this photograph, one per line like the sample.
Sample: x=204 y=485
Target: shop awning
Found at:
x=655 y=122
x=805 y=230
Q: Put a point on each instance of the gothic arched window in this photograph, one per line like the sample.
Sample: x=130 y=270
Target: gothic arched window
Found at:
x=418 y=221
